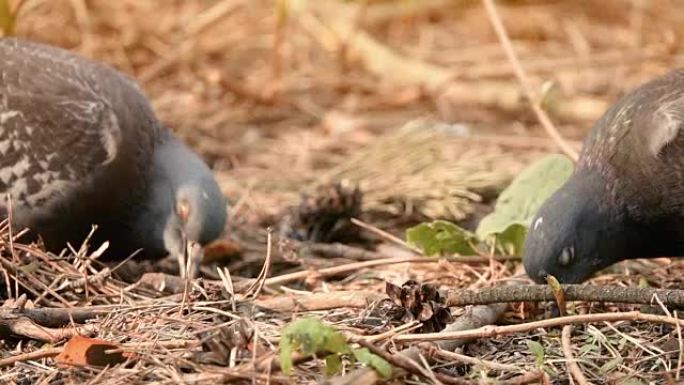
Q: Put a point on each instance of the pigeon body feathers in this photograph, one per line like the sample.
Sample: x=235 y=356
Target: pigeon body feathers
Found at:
x=626 y=197
x=80 y=145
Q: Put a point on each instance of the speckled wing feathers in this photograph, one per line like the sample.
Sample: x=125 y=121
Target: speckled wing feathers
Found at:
x=638 y=146
x=66 y=124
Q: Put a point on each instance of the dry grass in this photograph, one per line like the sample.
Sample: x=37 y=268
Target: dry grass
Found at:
x=277 y=109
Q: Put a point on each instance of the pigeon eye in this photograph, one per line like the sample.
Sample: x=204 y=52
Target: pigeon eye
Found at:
x=566 y=256
x=183 y=210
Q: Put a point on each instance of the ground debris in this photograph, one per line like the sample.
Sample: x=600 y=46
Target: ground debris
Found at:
x=278 y=103
x=228 y=343
x=324 y=216
x=413 y=301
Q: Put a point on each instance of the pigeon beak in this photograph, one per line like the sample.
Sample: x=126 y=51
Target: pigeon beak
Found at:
x=195 y=255
x=188 y=253
x=190 y=258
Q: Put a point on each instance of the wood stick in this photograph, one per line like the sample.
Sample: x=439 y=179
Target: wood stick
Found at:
x=541 y=115
x=538 y=293
x=493 y=331
x=573 y=369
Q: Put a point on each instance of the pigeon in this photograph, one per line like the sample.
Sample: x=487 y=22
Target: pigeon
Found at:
x=625 y=198
x=81 y=149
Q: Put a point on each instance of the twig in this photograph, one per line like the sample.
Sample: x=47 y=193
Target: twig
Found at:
x=58 y=317
x=680 y=356
x=161 y=282
x=198 y=25
x=474 y=361
x=333 y=24
x=538 y=293
x=90 y=280
x=493 y=331
x=410 y=365
x=258 y=284
x=573 y=369
x=339 y=250
x=35 y=355
x=541 y=115
x=473 y=317
x=320 y=301
x=384 y=234
x=352 y=267
x=15 y=325
x=527 y=378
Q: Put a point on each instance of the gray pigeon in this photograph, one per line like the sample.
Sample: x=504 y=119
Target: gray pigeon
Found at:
x=625 y=199
x=80 y=146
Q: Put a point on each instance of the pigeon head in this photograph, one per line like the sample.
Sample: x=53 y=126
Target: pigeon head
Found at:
x=199 y=210
x=190 y=210
x=574 y=234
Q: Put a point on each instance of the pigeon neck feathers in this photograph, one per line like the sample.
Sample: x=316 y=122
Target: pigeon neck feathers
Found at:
x=178 y=172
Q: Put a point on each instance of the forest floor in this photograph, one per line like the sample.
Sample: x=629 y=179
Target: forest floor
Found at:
x=296 y=104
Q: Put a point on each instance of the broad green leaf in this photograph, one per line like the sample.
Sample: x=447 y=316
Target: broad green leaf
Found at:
x=441 y=237
x=518 y=203
x=610 y=365
x=333 y=364
x=537 y=350
x=7 y=18
x=286 y=348
x=376 y=362
x=588 y=348
x=512 y=240
x=310 y=336
x=632 y=381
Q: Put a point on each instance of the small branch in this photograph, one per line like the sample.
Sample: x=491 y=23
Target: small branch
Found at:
x=331 y=25
x=353 y=267
x=320 y=301
x=258 y=284
x=164 y=283
x=57 y=317
x=385 y=235
x=473 y=318
x=339 y=250
x=528 y=378
x=494 y=331
x=539 y=293
x=573 y=369
x=543 y=118
x=411 y=366
x=475 y=361
x=35 y=355
x=23 y=327
x=96 y=279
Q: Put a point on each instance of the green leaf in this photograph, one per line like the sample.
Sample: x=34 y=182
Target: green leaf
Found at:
x=310 y=336
x=286 y=348
x=537 y=350
x=632 y=381
x=7 y=18
x=376 y=362
x=333 y=364
x=512 y=240
x=440 y=237
x=588 y=348
x=518 y=203
x=610 y=365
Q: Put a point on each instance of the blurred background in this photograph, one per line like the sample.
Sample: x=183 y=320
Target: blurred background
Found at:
x=414 y=101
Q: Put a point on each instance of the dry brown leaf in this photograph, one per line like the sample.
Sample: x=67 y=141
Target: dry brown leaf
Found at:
x=221 y=249
x=84 y=351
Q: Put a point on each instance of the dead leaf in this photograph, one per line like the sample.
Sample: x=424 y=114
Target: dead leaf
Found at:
x=84 y=351
x=558 y=293
x=221 y=250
